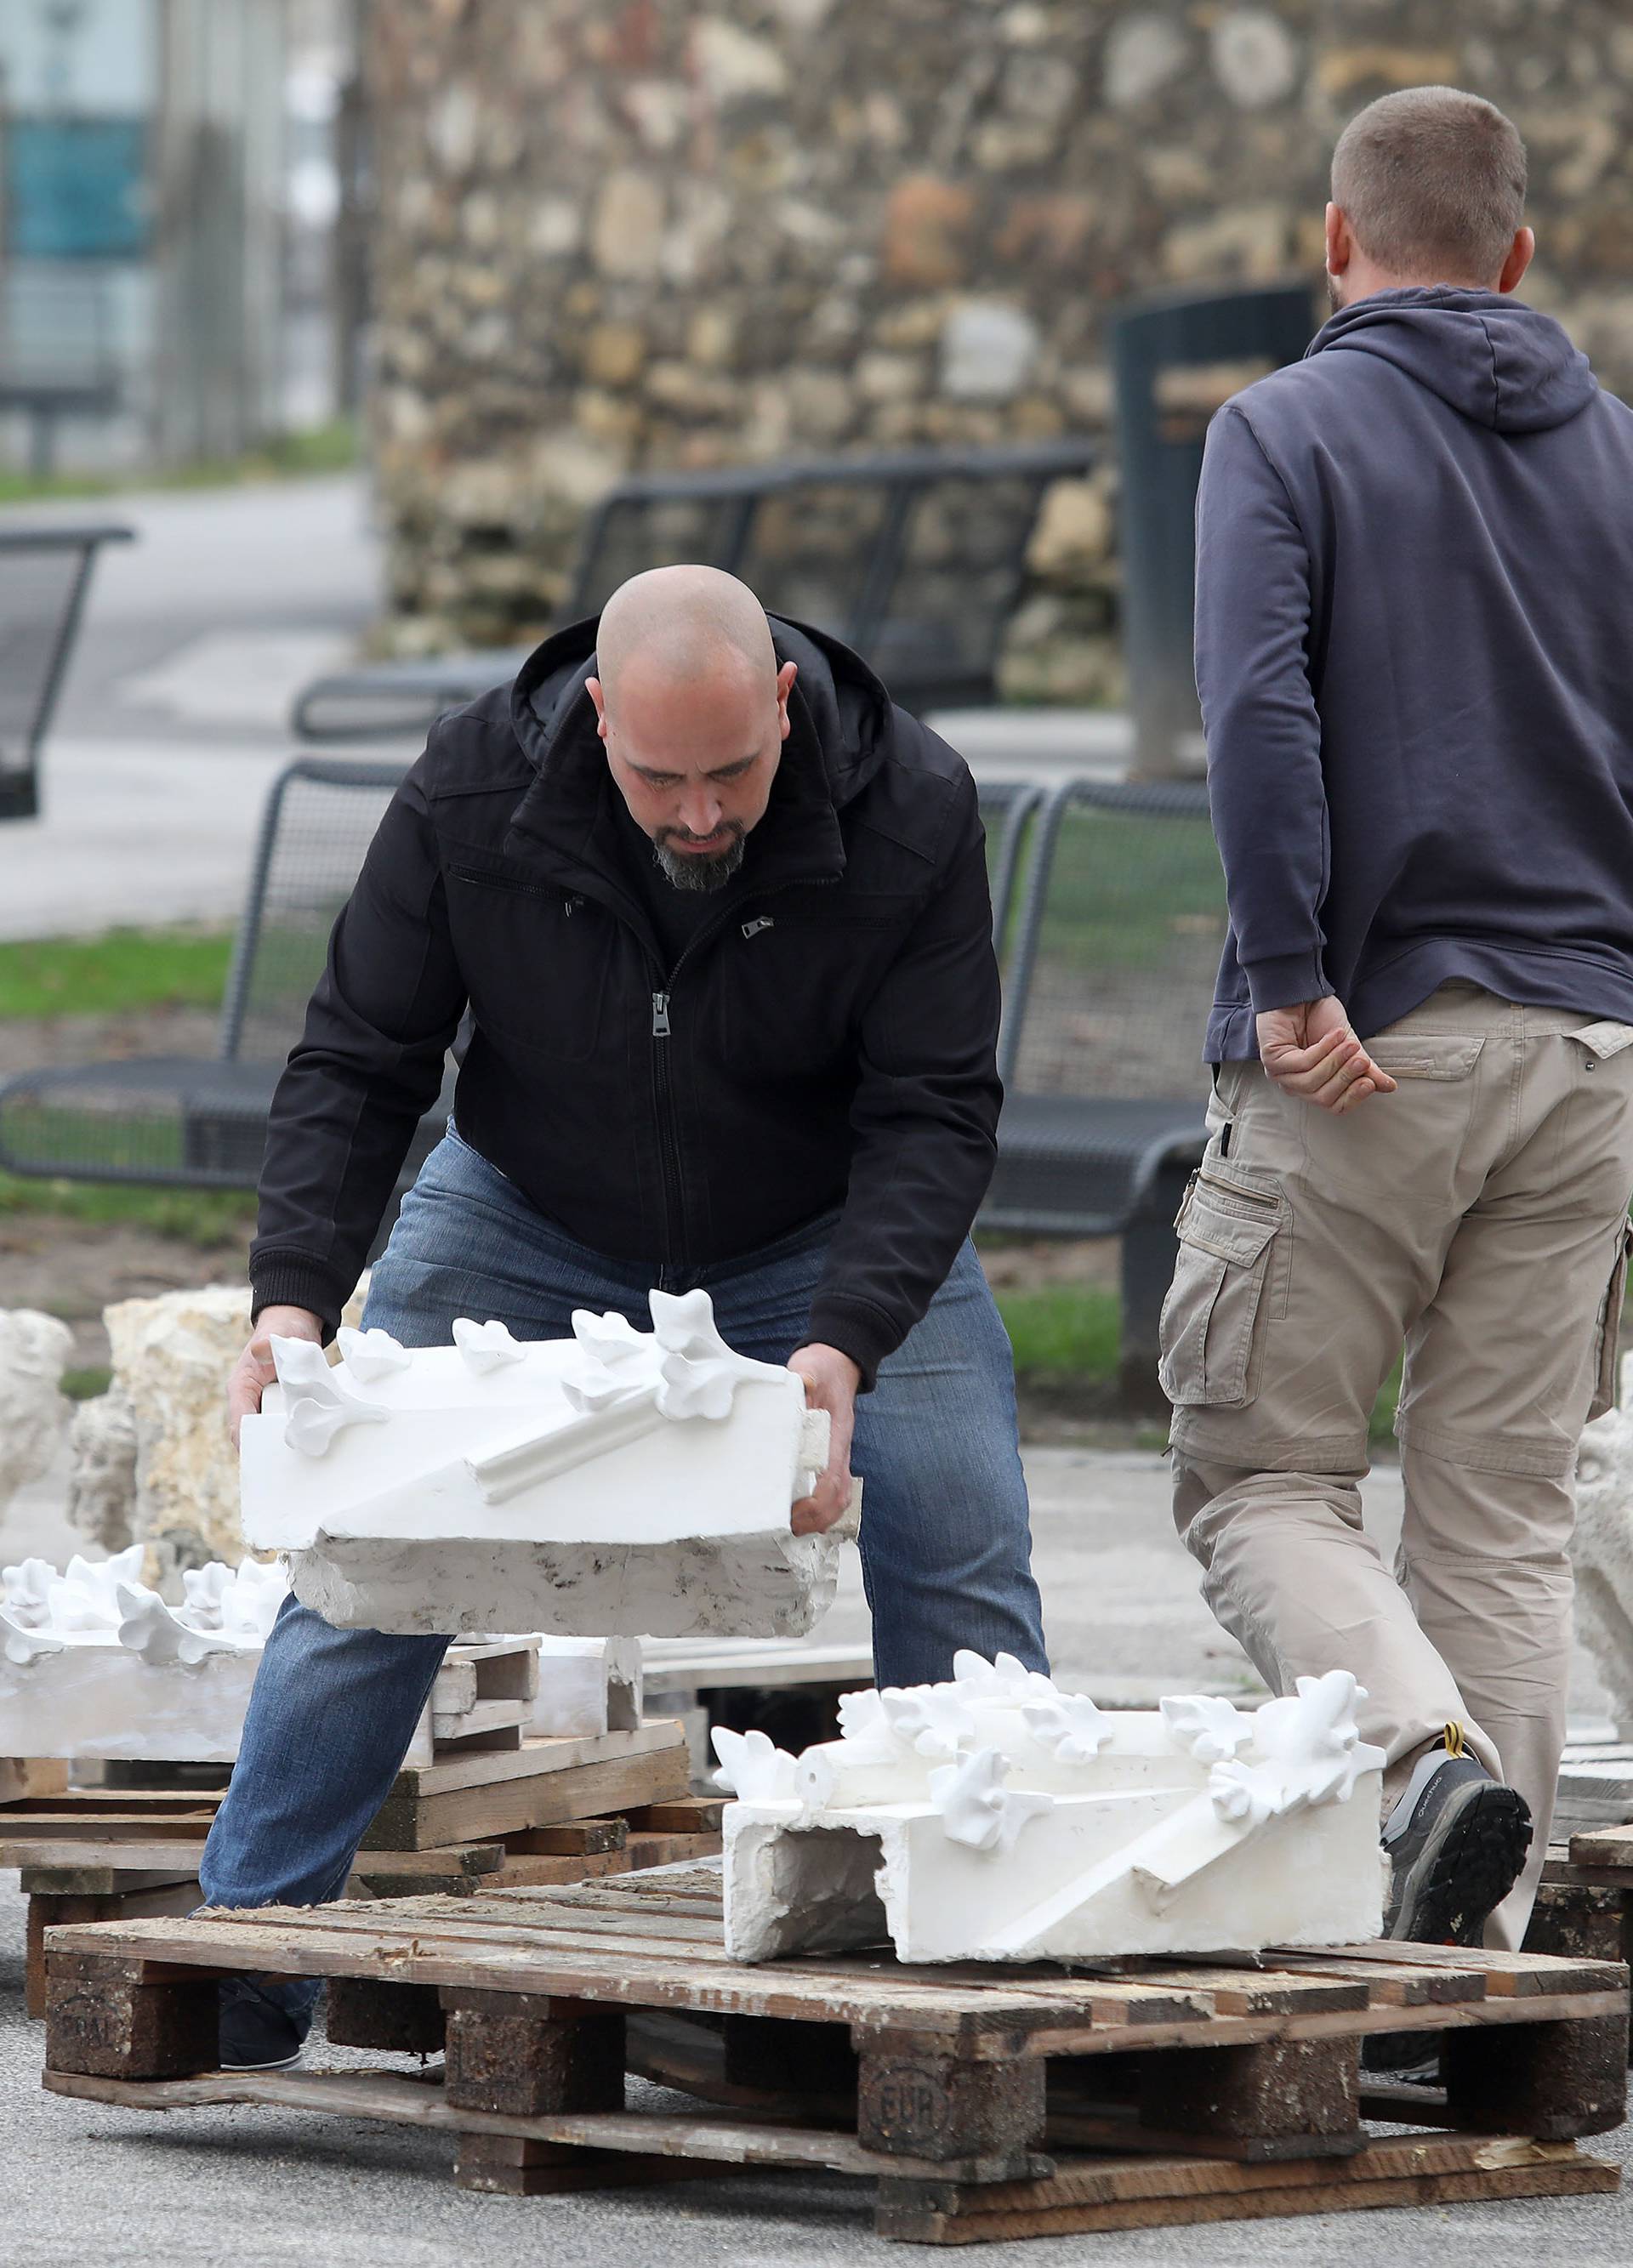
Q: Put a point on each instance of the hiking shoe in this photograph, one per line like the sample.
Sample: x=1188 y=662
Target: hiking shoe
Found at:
x=1458 y=1839
x=262 y=2026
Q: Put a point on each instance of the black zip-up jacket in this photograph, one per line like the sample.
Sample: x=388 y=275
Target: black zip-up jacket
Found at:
x=827 y=1039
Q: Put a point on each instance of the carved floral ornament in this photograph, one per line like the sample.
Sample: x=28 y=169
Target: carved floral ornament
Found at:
x=105 y=1603
x=625 y=1382
x=997 y=1722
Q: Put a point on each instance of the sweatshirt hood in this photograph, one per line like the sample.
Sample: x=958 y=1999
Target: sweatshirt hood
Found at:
x=1493 y=360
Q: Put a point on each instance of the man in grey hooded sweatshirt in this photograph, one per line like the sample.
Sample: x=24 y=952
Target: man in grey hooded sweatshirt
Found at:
x=1415 y=572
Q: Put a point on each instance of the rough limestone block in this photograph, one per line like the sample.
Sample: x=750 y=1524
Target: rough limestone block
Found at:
x=997 y=1818
x=619 y=1481
x=172 y=1358
x=102 y=1471
x=34 y=1412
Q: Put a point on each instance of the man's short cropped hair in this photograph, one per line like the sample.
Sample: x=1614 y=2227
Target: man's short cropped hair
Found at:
x=1433 y=183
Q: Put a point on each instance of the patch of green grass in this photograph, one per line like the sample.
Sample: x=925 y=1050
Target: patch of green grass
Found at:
x=209 y=1218
x=85 y=1385
x=1062 y=1332
x=331 y=448
x=123 y=970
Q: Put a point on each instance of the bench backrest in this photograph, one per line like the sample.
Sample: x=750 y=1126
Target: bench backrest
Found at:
x=320 y=819
x=913 y=559
x=1008 y=808
x=43 y=575
x=1118 y=947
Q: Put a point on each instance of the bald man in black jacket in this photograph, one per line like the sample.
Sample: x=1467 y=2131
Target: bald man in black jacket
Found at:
x=720 y=912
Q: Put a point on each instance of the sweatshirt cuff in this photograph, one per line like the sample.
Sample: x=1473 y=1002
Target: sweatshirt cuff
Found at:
x=284 y=1280
x=858 y=1329
x=1286 y=981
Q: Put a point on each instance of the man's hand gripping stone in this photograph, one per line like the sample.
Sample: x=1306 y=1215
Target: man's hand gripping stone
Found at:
x=253 y=1372
x=831 y=1382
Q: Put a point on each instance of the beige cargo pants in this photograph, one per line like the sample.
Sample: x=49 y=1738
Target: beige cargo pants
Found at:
x=1478 y=1215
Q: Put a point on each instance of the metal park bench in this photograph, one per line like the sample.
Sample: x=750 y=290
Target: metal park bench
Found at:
x=1008 y=808
x=200 y=1121
x=44 y=575
x=915 y=559
x=1113 y=968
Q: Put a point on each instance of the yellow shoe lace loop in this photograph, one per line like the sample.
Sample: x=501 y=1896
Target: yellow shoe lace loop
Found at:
x=1454 y=1740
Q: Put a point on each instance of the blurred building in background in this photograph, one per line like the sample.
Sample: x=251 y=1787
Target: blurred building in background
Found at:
x=616 y=234
x=169 y=195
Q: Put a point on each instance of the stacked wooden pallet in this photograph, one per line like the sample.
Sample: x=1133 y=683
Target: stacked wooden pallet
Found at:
x=502 y=1808
x=988 y=2102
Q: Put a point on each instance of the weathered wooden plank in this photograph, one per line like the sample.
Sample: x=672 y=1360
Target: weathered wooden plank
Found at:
x=539 y=1873
x=542 y=1753
x=396 y=2100
x=21 y=1777
x=1096 y=2195
x=1521 y=1973
x=532 y=1800
x=1602 y=1846
x=1400 y=1986
x=573 y=1837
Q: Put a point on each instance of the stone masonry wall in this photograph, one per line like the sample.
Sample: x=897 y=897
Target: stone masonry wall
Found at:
x=613 y=235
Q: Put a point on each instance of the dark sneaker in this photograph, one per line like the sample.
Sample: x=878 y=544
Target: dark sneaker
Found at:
x=264 y=2027
x=1458 y=1839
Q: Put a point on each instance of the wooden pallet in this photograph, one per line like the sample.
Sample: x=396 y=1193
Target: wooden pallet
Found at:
x=590 y=1805
x=1161 y=2093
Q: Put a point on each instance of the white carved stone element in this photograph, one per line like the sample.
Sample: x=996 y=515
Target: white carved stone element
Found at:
x=34 y=1412
x=1602 y=1550
x=94 y=1664
x=995 y=1818
x=617 y=1481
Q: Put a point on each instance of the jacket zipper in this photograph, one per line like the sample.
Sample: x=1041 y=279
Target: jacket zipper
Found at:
x=662 y=1081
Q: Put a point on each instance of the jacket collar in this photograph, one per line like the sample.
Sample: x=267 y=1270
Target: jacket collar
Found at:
x=566 y=820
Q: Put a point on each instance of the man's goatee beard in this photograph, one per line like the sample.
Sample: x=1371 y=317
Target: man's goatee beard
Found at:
x=687 y=872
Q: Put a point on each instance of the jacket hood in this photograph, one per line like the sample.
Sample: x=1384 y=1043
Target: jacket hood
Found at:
x=835 y=696
x=1496 y=362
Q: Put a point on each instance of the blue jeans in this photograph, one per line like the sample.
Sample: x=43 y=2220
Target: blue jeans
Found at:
x=945 y=1542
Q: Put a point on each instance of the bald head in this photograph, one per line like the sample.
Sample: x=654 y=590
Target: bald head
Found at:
x=678 y=625
x=693 y=711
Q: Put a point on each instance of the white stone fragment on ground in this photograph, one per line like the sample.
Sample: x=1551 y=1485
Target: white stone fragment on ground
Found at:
x=34 y=1412
x=996 y=1818
x=617 y=1481
x=1601 y=1548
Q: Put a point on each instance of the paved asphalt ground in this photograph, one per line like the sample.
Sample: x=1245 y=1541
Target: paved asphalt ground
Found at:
x=83 y=2184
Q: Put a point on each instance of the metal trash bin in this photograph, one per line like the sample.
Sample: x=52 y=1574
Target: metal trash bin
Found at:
x=1175 y=357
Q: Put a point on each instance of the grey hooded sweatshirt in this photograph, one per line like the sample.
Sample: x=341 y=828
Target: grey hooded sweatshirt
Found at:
x=1414 y=601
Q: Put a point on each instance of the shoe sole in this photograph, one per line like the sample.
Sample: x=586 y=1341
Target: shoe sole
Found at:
x=1472 y=1860
x=278 y=2063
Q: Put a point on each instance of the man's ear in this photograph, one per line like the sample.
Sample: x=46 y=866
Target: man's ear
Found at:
x=593 y=687
x=1341 y=243
x=786 y=676
x=1519 y=260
